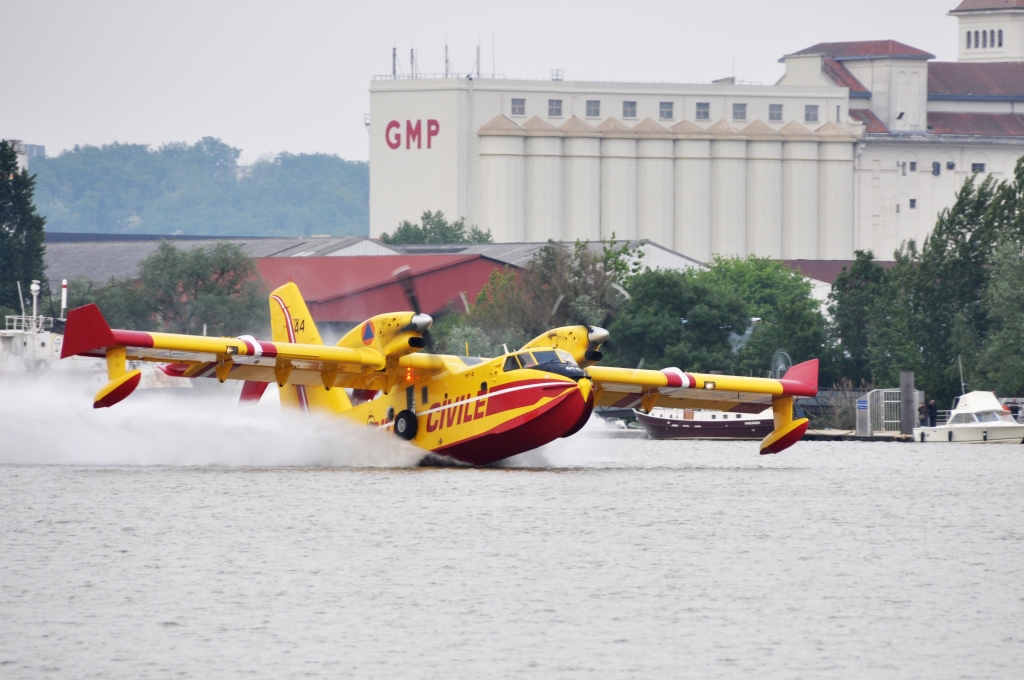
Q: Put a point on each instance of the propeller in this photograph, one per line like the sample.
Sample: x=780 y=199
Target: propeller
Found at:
x=420 y=322
x=596 y=337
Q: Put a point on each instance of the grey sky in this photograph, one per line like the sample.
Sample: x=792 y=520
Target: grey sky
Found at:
x=293 y=76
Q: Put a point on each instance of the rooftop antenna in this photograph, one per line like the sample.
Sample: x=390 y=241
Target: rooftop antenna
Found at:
x=478 y=58
x=493 y=70
x=394 y=63
x=446 y=57
x=412 y=63
x=21 y=298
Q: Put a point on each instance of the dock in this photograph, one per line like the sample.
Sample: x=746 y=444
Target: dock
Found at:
x=851 y=436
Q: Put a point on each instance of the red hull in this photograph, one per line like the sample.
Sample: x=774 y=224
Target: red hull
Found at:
x=557 y=418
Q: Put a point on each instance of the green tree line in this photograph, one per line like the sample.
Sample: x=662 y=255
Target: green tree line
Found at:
x=199 y=188
x=22 y=239
x=958 y=300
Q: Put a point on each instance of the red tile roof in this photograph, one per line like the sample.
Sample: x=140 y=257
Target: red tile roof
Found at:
x=351 y=289
x=866 y=49
x=872 y=122
x=1000 y=79
x=979 y=5
x=991 y=124
x=841 y=76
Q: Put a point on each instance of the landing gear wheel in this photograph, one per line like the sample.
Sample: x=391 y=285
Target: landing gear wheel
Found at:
x=406 y=424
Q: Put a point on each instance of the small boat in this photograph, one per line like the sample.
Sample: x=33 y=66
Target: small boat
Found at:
x=977 y=417
x=669 y=423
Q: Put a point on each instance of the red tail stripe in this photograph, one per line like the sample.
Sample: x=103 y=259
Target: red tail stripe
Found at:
x=133 y=339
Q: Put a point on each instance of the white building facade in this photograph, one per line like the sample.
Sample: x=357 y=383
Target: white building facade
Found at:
x=858 y=146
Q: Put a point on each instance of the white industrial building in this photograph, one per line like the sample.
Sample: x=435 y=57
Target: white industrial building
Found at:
x=858 y=146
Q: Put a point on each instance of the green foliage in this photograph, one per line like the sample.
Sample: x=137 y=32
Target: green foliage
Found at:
x=195 y=189
x=560 y=286
x=763 y=283
x=180 y=290
x=649 y=326
x=21 y=230
x=790 y=319
x=855 y=292
x=1001 y=363
x=434 y=228
x=958 y=298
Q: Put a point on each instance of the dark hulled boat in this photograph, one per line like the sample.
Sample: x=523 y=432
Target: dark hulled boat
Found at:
x=691 y=424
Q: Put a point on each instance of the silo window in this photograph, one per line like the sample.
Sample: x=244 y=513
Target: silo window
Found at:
x=554 y=108
x=913 y=166
x=665 y=111
x=977 y=40
x=913 y=203
x=992 y=38
x=1000 y=37
x=703 y=111
x=811 y=113
x=936 y=169
x=775 y=113
x=968 y=40
x=984 y=38
x=629 y=109
x=977 y=167
x=518 y=107
x=593 y=108
x=739 y=111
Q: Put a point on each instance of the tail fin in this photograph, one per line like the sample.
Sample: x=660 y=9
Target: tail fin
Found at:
x=290 y=321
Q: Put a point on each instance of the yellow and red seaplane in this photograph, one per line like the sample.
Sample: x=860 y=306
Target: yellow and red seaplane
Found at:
x=470 y=409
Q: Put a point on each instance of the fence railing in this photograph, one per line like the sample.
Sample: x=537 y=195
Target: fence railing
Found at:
x=28 y=324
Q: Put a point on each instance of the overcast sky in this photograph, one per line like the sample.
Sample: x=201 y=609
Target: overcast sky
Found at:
x=294 y=76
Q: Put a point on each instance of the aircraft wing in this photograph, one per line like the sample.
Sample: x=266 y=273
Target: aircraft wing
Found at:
x=672 y=388
x=244 y=358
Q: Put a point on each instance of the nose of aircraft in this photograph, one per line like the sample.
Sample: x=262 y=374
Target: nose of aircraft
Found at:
x=586 y=388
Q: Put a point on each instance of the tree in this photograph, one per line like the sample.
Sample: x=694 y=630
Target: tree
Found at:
x=676 y=319
x=790 y=318
x=1001 y=362
x=560 y=286
x=930 y=313
x=434 y=228
x=22 y=239
x=200 y=189
x=178 y=291
x=855 y=293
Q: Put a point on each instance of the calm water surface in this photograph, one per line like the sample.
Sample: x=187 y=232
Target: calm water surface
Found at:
x=615 y=559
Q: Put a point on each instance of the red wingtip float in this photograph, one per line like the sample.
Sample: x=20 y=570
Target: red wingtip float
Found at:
x=472 y=409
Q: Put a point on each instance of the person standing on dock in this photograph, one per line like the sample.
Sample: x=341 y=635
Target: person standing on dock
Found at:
x=933 y=413
x=922 y=415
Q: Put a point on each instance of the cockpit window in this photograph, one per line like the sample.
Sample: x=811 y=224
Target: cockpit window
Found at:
x=995 y=417
x=528 y=360
x=566 y=357
x=546 y=357
x=511 y=363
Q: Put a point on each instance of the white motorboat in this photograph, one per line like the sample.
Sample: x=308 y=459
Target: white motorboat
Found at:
x=977 y=417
